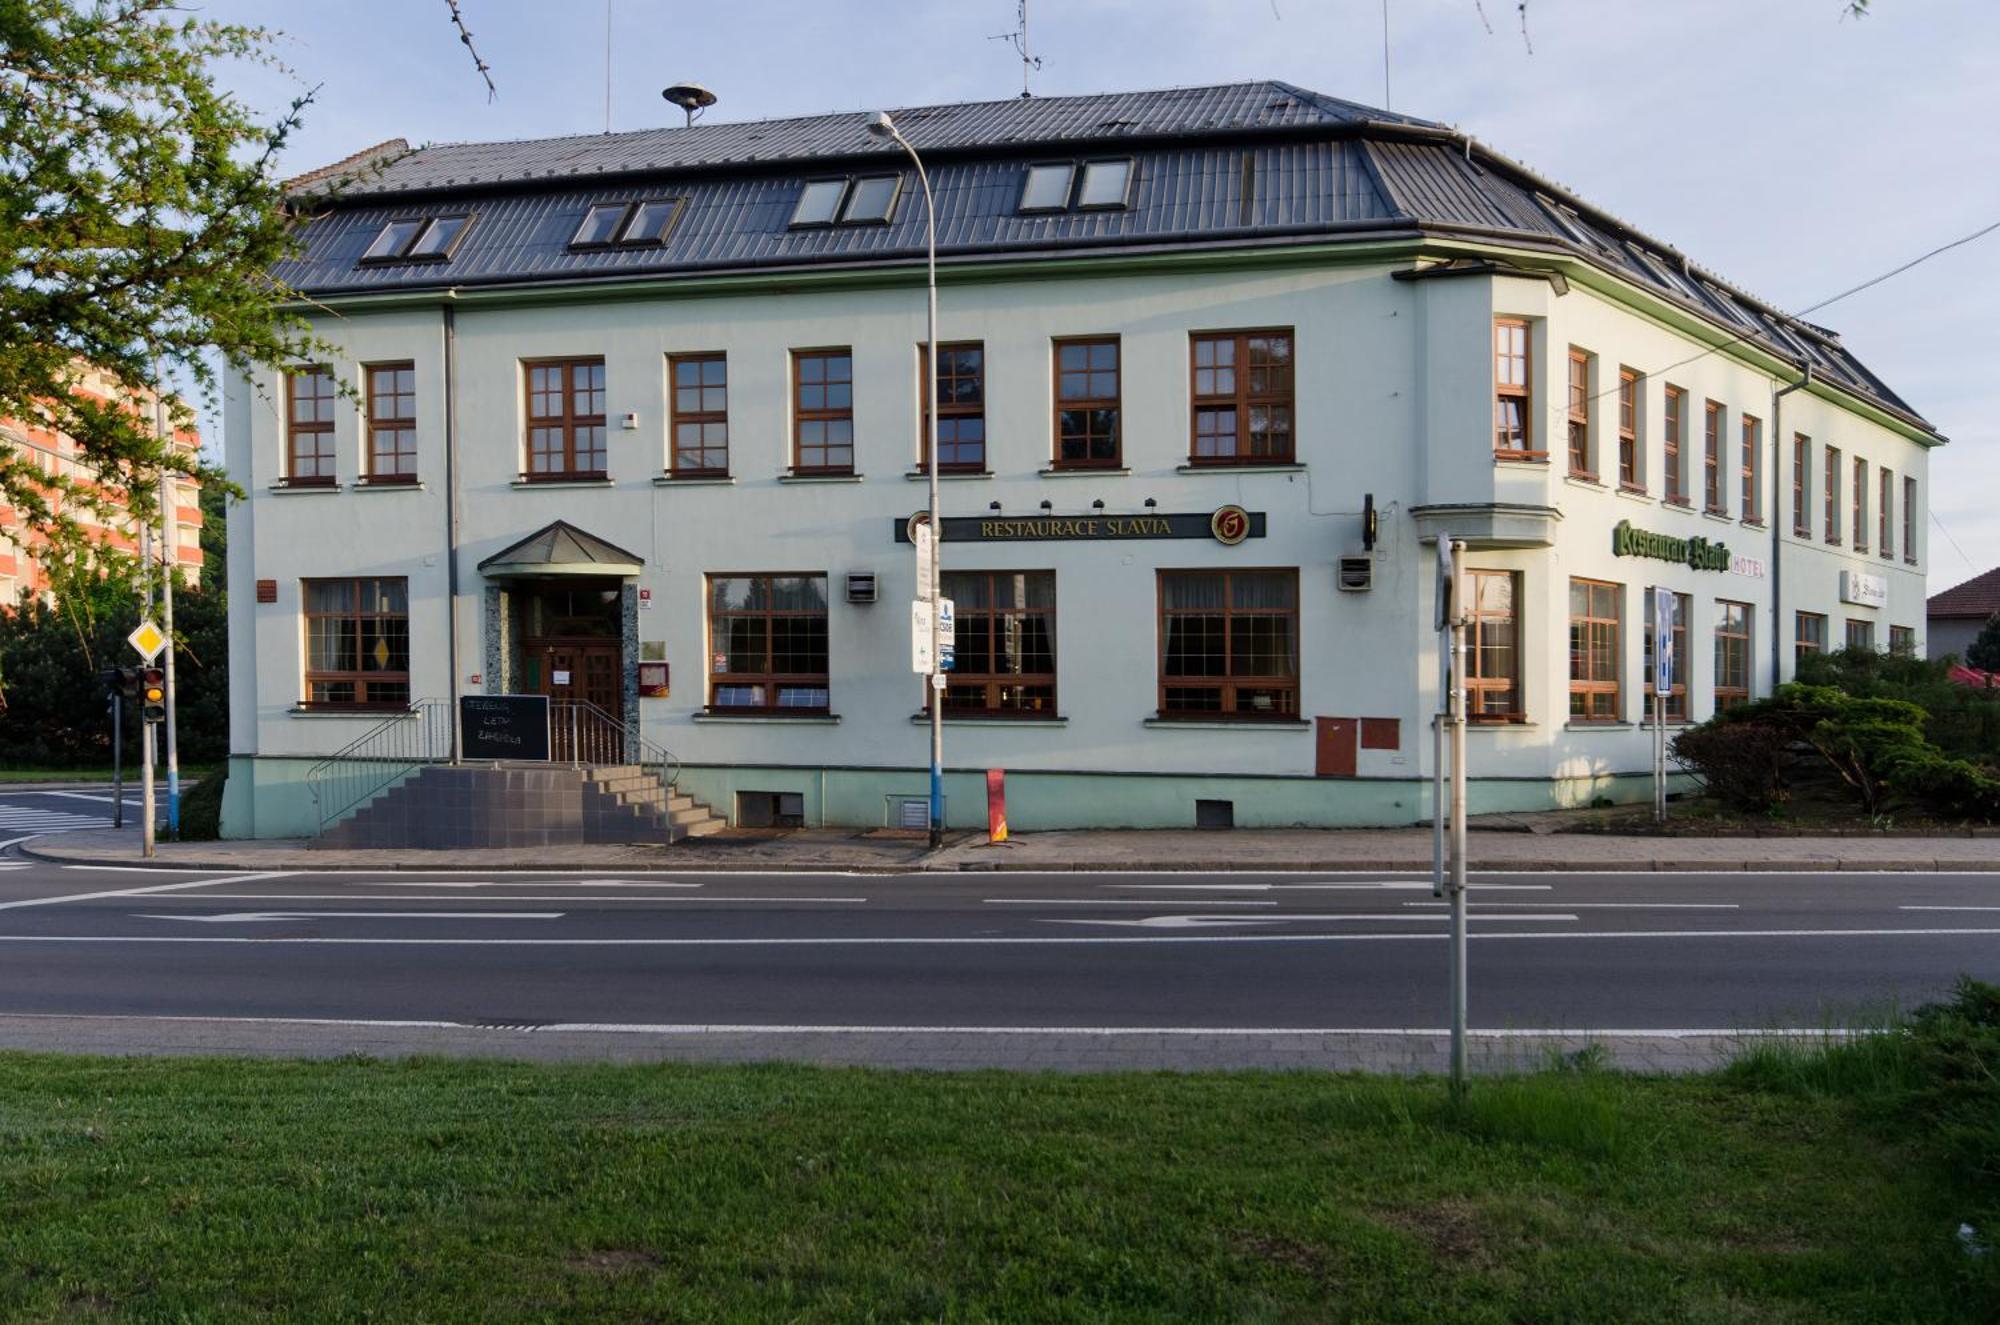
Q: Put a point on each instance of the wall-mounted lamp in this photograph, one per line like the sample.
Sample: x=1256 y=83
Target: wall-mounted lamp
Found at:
x=993 y=506
x=1150 y=503
x=1048 y=505
x=1097 y=505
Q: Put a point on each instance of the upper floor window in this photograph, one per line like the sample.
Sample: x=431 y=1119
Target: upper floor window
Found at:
x=627 y=224
x=1046 y=188
x=1105 y=183
x=961 y=403
x=1087 y=410
x=1753 y=451
x=1054 y=186
x=1674 y=435
x=1909 y=520
x=1860 y=501
x=869 y=200
x=566 y=420
x=1628 y=430
x=310 y=394
x=1885 y=512
x=392 y=423
x=418 y=239
x=823 y=411
x=1513 y=435
x=1579 y=414
x=700 y=415
x=1242 y=402
x=1801 y=485
x=1711 y=459
x=1832 y=467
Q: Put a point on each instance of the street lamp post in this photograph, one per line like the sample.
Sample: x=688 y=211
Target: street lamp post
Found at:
x=882 y=126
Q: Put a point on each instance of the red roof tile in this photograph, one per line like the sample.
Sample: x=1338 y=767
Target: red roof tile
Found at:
x=1978 y=597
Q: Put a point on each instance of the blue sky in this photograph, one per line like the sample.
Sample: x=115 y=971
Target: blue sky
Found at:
x=1794 y=151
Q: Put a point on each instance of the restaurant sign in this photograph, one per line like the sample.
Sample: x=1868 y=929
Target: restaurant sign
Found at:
x=1226 y=524
x=1694 y=553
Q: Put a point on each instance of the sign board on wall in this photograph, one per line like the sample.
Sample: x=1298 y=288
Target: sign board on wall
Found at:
x=1228 y=525
x=505 y=726
x=1694 y=553
x=1863 y=590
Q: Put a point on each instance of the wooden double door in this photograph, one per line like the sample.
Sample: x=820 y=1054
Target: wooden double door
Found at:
x=589 y=670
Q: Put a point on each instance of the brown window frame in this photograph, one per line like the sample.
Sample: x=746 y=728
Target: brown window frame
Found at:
x=949 y=409
x=568 y=423
x=1228 y=682
x=1801 y=485
x=1089 y=404
x=1676 y=706
x=1910 y=519
x=701 y=419
x=1801 y=645
x=1673 y=444
x=1587 y=688
x=1903 y=641
x=1578 y=401
x=1521 y=391
x=395 y=425
x=357 y=676
x=822 y=413
x=1279 y=394
x=1858 y=503
x=1479 y=683
x=1733 y=653
x=1629 y=478
x=771 y=680
x=1865 y=627
x=990 y=683
x=318 y=431
x=1752 y=429
x=1714 y=416
x=1831 y=461
x=1885 y=512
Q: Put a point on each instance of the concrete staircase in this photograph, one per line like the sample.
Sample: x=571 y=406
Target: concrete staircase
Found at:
x=462 y=806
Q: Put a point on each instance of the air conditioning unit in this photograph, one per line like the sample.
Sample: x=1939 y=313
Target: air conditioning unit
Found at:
x=861 y=587
x=1357 y=574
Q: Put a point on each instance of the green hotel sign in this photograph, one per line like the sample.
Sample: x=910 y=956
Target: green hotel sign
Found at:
x=1694 y=553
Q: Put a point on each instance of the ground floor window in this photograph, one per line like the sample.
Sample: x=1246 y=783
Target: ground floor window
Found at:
x=1860 y=634
x=1493 y=648
x=1229 y=644
x=1903 y=641
x=767 y=639
x=1594 y=619
x=1676 y=705
x=1005 y=642
x=1809 y=636
x=357 y=643
x=1732 y=654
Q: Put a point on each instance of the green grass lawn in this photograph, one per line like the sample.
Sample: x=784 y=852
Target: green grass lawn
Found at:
x=220 y=1191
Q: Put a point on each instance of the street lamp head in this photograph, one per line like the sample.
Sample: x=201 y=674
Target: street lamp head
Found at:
x=880 y=125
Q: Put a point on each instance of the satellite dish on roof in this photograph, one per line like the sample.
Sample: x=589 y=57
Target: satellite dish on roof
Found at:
x=690 y=97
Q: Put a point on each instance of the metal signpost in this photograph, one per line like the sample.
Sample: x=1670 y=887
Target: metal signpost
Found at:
x=1451 y=617
x=147 y=641
x=1664 y=663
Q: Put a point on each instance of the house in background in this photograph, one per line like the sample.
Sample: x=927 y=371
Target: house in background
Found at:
x=1957 y=615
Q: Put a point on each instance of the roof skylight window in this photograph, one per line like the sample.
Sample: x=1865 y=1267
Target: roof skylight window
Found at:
x=869 y=200
x=872 y=199
x=627 y=224
x=1047 y=189
x=1105 y=183
x=819 y=202
x=418 y=239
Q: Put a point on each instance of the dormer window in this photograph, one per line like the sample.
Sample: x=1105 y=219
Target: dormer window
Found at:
x=627 y=224
x=418 y=239
x=869 y=200
x=1057 y=186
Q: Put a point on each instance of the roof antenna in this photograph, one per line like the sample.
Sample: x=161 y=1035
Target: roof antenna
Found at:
x=1018 y=39
x=691 y=97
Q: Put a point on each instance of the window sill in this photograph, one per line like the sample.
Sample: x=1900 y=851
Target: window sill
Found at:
x=1598 y=726
x=1636 y=494
x=1502 y=726
x=772 y=719
x=1583 y=481
x=1677 y=504
x=1673 y=724
x=981 y=720
x=1084 y=471
x=284 y=489
x=947 y=475
x=528 y=484
x=1909 y=561
x=1521 y=457
x=1720 y=517
x=819 y=478
x=381 y=714
x=1751 y=522
x=694 y=481
x=1276 y=467
x=390 y=486
x=1229 y=724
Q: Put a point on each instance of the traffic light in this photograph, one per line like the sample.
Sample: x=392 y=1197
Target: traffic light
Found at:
x=153 y=694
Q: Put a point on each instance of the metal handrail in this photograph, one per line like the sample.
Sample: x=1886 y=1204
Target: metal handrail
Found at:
x=587 y=734
x=380 y=757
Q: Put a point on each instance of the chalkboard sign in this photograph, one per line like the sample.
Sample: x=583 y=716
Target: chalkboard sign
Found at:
x=505 y=726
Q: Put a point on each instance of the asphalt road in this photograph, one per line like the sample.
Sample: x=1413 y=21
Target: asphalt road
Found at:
x=1597 y=953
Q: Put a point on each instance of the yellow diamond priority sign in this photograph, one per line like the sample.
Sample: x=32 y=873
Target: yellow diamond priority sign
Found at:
x=147 y=641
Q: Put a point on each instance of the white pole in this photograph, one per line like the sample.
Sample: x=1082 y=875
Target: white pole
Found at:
x=169 y=561
x=145 y=728
x=1458 y=917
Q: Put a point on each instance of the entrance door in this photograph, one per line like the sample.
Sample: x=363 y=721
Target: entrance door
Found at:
x=572 y=670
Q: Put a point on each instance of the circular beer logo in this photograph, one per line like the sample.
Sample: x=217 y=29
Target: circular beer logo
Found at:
x=916 y=519
x=1230 y=525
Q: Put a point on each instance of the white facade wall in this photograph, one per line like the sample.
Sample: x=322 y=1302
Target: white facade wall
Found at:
x=1394 y=399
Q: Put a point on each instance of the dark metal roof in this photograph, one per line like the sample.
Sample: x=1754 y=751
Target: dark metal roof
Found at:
x=1243 y=163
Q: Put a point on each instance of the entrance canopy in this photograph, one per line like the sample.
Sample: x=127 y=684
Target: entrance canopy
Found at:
x=561 y=549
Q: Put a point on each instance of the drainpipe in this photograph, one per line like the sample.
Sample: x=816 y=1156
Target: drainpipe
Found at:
x=1778 y=516
x=451 y=512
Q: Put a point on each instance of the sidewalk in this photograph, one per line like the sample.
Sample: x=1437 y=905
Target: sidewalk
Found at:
x=847 y=850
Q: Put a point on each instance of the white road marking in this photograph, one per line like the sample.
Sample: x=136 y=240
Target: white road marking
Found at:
x=1620 y=906
x=1197 y=922
x=1093 y=940
x=178 y=869
x=1388 y=885
x=1948 y=908
x=1121 y=901
x=259 y=917
x=703 y=900
x=542 y=883
x=131 y=798
x=141 y=892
